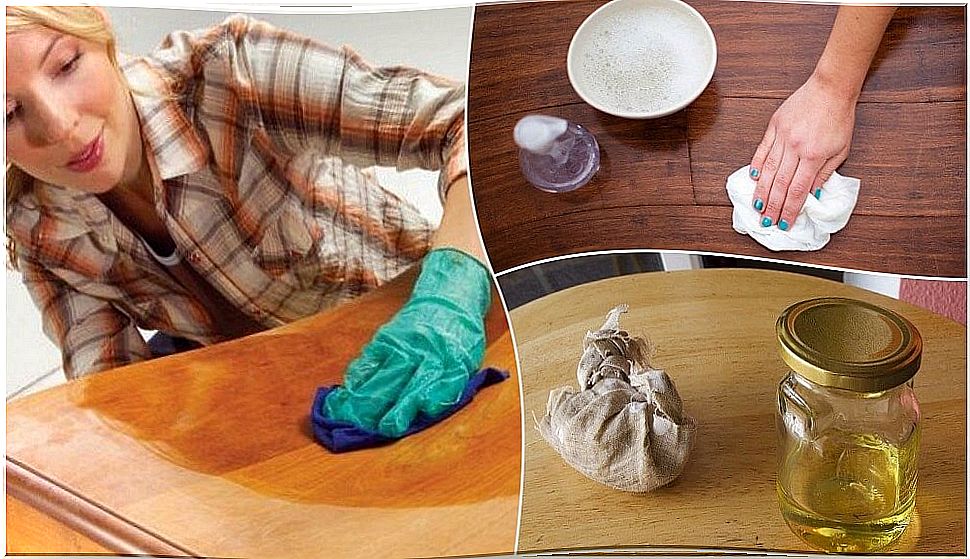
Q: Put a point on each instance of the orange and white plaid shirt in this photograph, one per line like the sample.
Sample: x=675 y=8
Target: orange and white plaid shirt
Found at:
x=260 y=138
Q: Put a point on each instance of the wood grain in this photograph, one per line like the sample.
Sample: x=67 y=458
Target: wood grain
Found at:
x=764 y=50
x=661 y=178
x=646 y=164
x=211 y=451
x=886 y=244
x=73 y=519
x=911 y=158
x=30 y=531
x=769 y=49
x=518 y=57
x=713 y=331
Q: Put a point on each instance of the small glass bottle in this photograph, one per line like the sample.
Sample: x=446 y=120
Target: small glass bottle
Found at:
x=556 y=155
x=848 y=423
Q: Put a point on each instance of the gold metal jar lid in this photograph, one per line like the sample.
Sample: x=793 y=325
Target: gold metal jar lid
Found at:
x=849 y=344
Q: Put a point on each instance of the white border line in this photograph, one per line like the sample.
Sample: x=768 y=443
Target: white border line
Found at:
x=727 y=254
x=292 y=7
x=498 y=289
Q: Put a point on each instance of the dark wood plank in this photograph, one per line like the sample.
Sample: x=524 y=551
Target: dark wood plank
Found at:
x=770 y=49
x=926 y=246
x=910 y=147
x=923 y=57
x=518 y=59
x=911 y=157
x=765 y=49
x=642 y=163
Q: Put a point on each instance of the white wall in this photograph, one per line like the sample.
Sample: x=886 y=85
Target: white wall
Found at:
x=433 y=40
x=879 y=283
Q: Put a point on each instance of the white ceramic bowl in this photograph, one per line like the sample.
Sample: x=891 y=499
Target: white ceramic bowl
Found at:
x=642 y=58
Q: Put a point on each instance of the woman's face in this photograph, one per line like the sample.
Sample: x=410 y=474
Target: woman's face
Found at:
x=70 y=119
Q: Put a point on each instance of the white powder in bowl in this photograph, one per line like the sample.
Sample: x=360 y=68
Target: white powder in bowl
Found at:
x=643 y=59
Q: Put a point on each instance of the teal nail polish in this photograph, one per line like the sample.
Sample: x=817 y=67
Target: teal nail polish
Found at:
x=754 y=173
x=818 y=193
x=766 y=222
x=783 y=225
x=758 y=204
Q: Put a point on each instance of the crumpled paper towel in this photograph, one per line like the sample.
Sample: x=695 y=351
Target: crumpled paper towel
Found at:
x=625 y=427
x=813 y=227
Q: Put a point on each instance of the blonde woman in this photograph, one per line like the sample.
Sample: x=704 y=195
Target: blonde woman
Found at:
x=214 y=188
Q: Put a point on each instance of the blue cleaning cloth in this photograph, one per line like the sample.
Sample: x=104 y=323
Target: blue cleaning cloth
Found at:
x=341 y=436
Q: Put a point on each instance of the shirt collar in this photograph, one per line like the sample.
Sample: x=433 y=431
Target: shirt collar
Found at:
x=170 y=139
x=169 y=136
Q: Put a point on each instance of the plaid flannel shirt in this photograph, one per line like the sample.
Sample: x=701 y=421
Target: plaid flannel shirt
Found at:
x=260 y=138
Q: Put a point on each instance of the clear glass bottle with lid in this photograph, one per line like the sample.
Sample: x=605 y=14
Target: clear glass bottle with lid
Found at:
x=848 y=423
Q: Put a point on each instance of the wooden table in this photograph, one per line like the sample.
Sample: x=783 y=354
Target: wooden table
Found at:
x=210 y=453
x=661 y=184
x=714 y=335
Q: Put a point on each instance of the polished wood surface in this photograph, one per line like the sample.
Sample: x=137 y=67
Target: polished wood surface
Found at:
x=713 y=331
x=31 y=531
x=210 y=453
x=661 y=184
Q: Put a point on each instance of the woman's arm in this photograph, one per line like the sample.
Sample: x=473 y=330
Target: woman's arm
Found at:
x=458 y=228
x=304 y=93
x=853 y=42
x=92 y=334
x=420 y=361
x=809 y=136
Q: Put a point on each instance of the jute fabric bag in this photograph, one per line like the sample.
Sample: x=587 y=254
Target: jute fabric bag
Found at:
x=625 y=426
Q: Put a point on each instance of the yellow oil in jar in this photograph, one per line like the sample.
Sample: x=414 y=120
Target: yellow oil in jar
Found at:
x=848 y=492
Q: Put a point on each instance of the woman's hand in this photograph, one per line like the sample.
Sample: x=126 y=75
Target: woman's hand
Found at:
x=807 y=138
x=421 y=360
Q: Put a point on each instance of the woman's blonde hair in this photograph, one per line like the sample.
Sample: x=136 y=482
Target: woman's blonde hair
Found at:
x=86 y=22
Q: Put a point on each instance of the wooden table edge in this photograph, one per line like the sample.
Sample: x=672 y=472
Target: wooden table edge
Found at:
x=84 y=516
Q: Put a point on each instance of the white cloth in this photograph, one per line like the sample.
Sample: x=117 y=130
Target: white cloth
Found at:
x=625 y=427
x=815 y=223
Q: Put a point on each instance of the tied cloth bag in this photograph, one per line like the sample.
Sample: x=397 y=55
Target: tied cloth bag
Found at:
x=625 y=427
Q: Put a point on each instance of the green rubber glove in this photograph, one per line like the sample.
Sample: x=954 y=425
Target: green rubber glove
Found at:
x=420 y=361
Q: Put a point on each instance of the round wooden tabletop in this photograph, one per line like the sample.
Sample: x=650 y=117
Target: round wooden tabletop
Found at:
x=210 y=453
x=714 y=335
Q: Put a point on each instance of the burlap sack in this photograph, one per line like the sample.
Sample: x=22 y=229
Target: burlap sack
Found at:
x=625 y=426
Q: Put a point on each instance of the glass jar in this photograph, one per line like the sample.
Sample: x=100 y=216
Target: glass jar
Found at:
x=848 y=423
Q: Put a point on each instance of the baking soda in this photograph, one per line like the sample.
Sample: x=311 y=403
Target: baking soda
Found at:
x=644 y=60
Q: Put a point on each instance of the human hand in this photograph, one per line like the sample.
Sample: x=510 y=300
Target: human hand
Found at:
x=807 y=138
x=421 y=360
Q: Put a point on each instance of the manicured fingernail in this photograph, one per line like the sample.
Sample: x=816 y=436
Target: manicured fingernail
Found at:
x=766 y=222
x=783 y=225
x=758 y=204
x=818 y=193
x=754 y=173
